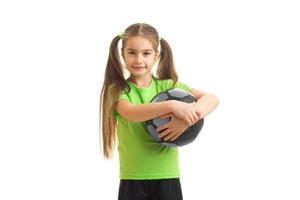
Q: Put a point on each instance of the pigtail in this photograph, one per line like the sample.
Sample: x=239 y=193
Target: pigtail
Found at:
x=114 y=83
x=166 y=66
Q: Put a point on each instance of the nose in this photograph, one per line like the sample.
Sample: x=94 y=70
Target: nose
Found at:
x=138 y=58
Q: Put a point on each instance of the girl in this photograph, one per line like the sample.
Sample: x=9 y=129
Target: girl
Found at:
x=148 y=170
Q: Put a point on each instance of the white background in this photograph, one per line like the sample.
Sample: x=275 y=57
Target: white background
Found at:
x=53 y=55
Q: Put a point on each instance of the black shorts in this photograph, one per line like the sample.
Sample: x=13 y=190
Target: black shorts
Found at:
x=161 y=189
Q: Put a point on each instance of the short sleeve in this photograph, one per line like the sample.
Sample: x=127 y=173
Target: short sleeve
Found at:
x=123 y=95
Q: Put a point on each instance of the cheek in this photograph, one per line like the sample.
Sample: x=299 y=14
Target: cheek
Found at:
x=128 y=59
x=152 y=61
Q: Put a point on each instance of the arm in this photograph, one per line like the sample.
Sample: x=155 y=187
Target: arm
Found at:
x=143 y=112
x=206 y=103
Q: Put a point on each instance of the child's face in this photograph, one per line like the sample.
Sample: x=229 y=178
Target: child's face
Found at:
x=139 y=56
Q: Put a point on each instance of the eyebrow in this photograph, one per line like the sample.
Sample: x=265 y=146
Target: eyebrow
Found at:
x=136 y=50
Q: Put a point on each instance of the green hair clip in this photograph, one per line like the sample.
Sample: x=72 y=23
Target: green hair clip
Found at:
x=121 y=35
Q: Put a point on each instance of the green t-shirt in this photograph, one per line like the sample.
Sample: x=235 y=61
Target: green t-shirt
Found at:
x=139 y=155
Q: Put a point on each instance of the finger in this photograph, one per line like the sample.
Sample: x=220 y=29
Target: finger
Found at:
x=199 y=113
x=165 y=133
x=195 y=118
x=199 y=116
x=190 y=121
x=166 y=116
x=176 y=136
x=171 y=135
x=162 y=127
x=187 y=120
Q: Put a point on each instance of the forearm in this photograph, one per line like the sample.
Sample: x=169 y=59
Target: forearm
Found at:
x=147 y=111
x=206 y=104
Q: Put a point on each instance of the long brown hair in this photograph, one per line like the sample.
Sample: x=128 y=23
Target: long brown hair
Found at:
x=114 y=79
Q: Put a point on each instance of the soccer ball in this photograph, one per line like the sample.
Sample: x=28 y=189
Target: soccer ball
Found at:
x=189 y=135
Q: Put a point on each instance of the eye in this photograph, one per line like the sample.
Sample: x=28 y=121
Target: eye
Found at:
x=131 y=53
x=147 y=53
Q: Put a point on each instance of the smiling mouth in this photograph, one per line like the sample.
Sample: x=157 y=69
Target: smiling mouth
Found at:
x=138 y=67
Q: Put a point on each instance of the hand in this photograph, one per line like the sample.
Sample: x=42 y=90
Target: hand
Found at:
x=173 y=129
x=186 y=111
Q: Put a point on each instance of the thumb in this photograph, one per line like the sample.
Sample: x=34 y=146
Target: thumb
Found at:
x=166 y=115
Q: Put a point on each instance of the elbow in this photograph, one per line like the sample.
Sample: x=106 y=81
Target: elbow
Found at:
x=216 y=100
x=212 y=98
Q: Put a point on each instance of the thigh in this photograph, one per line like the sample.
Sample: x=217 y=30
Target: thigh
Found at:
x=166 y=189
x=133 y=190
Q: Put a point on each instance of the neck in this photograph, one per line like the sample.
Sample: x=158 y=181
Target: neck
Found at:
x=141 y=81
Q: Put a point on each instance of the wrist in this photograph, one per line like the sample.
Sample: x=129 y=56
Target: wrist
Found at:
x=171 y=105
x=198 y=111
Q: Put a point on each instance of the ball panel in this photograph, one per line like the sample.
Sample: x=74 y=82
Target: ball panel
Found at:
x=160 y=97
x=189 y=99
x=176 y=92
x=152 y=132
x=159 y=121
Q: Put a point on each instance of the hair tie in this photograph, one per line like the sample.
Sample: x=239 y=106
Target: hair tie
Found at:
x=121 y=35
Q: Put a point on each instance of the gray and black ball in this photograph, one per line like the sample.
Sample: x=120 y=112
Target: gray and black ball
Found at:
x=189 y=135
